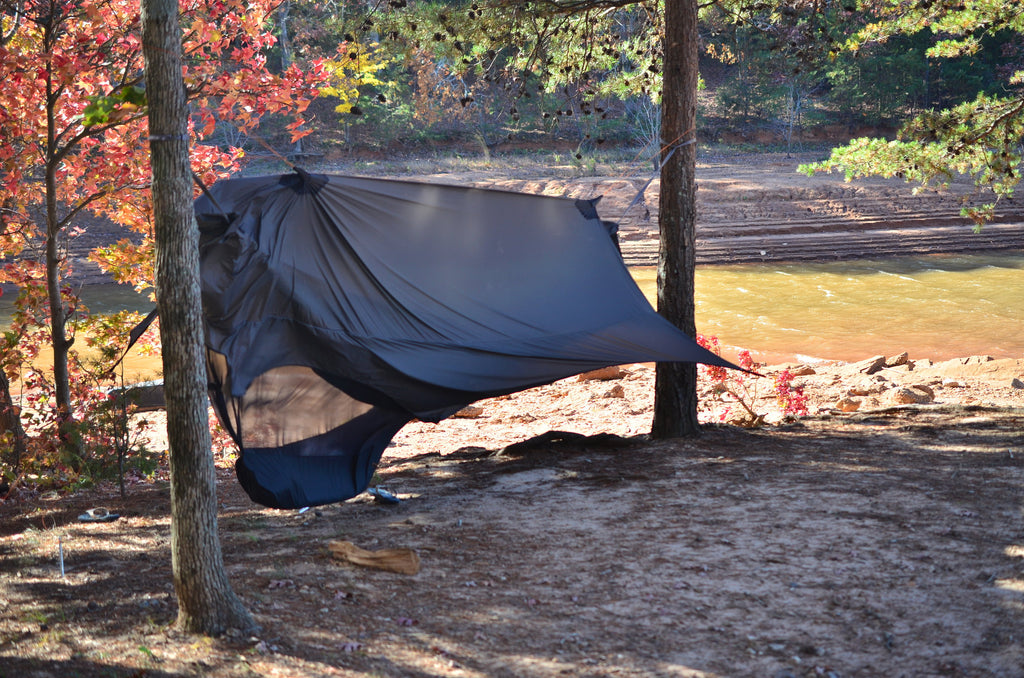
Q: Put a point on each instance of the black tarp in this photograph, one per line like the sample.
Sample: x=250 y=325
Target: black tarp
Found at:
x=338 y=309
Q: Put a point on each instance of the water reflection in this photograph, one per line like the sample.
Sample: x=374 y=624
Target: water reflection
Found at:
x=937 y=306
x=99 y=299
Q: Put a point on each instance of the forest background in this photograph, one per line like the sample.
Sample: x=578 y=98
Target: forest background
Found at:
x=300 y=81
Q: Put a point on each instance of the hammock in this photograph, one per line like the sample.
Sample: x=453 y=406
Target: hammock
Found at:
x=337 y=309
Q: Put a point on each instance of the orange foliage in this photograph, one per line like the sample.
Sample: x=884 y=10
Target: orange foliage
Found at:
x=54 y=70
x=438 y=92
x=74 y=139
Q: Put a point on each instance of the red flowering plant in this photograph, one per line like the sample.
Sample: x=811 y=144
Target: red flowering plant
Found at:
x=791 y=399
x=741 y=393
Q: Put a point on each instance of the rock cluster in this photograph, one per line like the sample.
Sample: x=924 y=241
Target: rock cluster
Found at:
x=885 y=381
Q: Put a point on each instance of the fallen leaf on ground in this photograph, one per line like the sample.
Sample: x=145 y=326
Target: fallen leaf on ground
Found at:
x=402 y=561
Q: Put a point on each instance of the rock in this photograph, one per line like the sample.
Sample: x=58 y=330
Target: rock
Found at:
x=924 y=388
x=147 y=396
x=869 y=366
x=873 y=384
x=897 y=360
x=997 y=372
x=909 y=396
x=1016 y=383
x=848 y=405
x=744 y=419
x=616 y=392
x=951 y=383
x=603 y=374
x=796 y=369
x=469 y=412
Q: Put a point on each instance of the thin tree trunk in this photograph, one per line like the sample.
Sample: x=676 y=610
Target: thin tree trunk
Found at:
x=675 y=388
x=206 y=602
x=58 y=318
x=283 y=15
x=10 y=422
x=54 y=262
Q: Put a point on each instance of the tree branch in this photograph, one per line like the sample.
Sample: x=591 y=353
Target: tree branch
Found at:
x=575 y=6
x=1014 y=110
x=16 y=11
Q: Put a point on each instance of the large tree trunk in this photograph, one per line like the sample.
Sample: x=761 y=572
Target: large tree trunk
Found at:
x=206 y=602
x=675 y=388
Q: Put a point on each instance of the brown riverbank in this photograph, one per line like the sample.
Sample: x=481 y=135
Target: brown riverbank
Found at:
x=756 y=207
x=623 y=405
x=751 y=207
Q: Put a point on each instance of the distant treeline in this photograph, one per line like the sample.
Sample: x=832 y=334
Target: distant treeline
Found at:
x=784 y=80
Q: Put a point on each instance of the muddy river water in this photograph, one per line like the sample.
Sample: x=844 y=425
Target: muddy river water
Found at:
x=937 y=307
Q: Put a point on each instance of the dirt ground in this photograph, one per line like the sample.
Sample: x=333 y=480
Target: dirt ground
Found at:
x=873 y=537
x=887 y=541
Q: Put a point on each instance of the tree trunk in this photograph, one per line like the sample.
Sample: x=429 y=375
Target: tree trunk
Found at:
x=58 y=319
x=59 y=340
x=10 y=422
x=675 y=387
x=206 y=602
x=283 y=14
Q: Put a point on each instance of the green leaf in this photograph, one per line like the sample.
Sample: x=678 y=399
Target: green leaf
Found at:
x=101 y=107
x=98 y=111
x=133 y=94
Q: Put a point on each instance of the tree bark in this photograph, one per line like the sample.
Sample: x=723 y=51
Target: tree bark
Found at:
x=283 y=14
x=675 y=387
x=58 y=318
x=59 y=340
x=206 y=601
x=10 y=422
